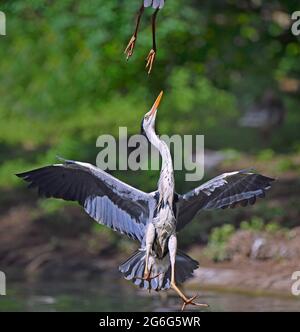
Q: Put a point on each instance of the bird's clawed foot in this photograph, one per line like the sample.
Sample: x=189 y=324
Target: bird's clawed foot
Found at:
x=190 y=301
x=130 y=47
x=150 y=60
x=147 y=277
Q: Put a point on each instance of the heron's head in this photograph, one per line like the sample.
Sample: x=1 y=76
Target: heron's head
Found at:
x=148 y=122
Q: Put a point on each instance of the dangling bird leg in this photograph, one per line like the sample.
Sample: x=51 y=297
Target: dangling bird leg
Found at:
x=149 y=239
x=172 y=251
x=130 y=47
x=151 y=56
x=150 y=236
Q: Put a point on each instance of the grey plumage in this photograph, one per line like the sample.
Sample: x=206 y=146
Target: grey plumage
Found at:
x=154 y=3
x=226 y=190
x=133 y=269
x=103 y=197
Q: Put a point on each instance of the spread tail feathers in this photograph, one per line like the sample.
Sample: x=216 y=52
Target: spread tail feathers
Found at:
x=133 y=269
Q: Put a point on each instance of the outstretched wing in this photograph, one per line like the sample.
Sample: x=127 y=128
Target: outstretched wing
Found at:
x=227 y=190
x=154 y=3
x=106 y=199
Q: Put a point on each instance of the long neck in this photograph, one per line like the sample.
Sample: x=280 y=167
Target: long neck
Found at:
x=166 y=181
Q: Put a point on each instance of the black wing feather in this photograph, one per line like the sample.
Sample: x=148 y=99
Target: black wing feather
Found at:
x=106 y=199
x=225 y=191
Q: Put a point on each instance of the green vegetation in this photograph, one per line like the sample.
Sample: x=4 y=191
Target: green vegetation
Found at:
x=257 y=224
x=218 y=239
x=64 y=81
x=217 y=247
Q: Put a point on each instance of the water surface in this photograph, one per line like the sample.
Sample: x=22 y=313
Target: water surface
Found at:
x=113 y=294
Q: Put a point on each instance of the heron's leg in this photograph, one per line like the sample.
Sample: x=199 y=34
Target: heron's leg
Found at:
x=151 y=56
x=130 y=47
x=172 y=252
x=150 y=236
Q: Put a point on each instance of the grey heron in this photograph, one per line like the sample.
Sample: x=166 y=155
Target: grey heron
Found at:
x=153 y=218
x=157 y=5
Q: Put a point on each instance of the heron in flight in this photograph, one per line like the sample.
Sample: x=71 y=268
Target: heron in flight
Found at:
x=153 y=218
x=157 y=5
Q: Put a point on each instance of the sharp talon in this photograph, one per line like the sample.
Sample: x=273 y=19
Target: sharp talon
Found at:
x=130 y=47
x=147 y=277
x=150 y=60
x=191 y=302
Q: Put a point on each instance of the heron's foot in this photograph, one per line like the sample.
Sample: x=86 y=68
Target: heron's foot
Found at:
x=147 y=277
x=150 y=60
x=191 y=301
x=130 y=47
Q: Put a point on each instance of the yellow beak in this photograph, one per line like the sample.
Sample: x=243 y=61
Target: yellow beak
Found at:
x=156 y=104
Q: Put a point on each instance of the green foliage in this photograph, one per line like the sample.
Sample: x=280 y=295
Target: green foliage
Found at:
x=272 y=227
x=221 y=234
x=256 y=224
x=266 y=155
x=51 y=206
x=218 y=239
x=287 y=164
x=64 y=80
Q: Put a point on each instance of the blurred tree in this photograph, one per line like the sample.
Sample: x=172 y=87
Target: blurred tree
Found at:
x=64 y=79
